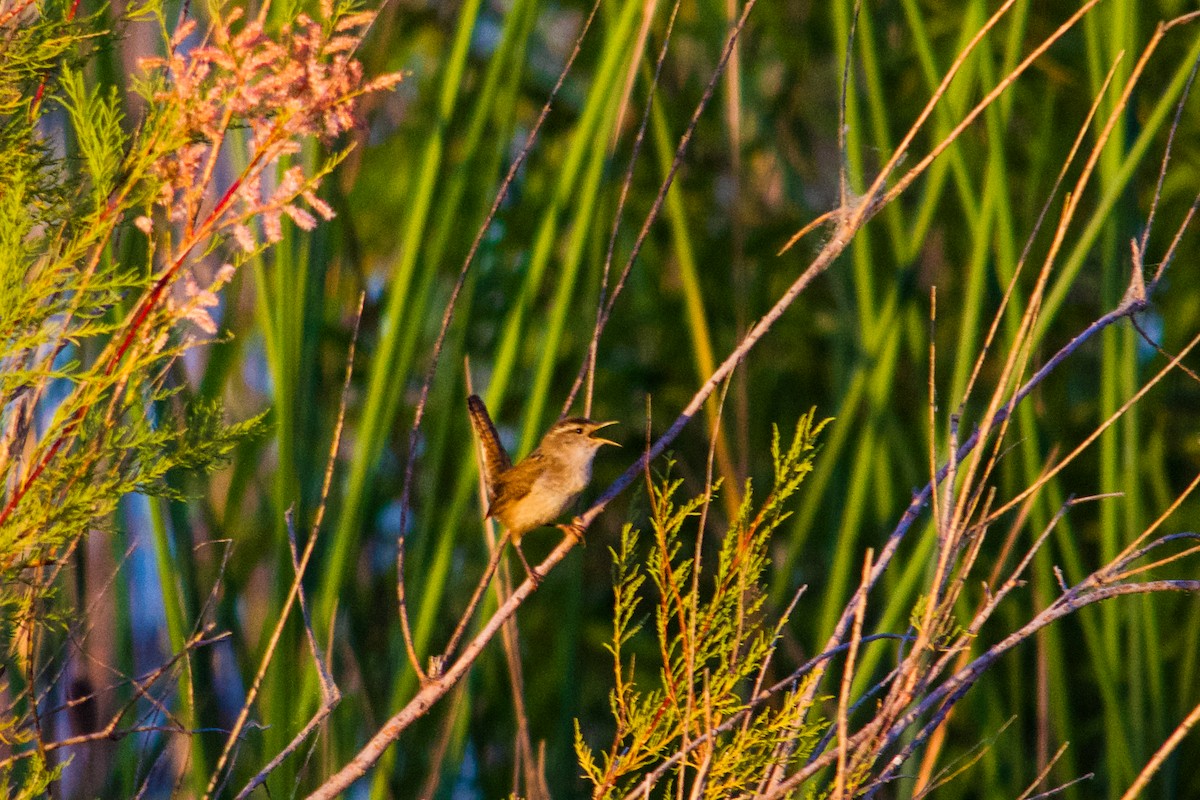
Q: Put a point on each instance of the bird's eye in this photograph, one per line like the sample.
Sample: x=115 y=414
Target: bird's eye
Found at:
x=579 y=430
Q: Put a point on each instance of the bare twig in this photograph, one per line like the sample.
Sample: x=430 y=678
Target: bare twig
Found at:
x=940 y=699
x=438 y=757
x=966 y=762
x=588 y=368
x=1000 y=87
x=1160 y=755
x=448 y=315
x=460 y=629
x=843 y=721
x=435 y=688
x=329 y=691
x=1144 y=240
x=1044 y=773
x=141 y=687
x=1060 y=789
x=330 y=694
x=410 y=649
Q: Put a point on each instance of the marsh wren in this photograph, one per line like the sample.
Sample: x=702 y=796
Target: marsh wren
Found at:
x=537 y=490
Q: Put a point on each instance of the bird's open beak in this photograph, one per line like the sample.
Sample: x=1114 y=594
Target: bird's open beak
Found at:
x=592 y=433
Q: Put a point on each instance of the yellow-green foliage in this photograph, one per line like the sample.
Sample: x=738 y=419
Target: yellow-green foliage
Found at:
x=713 y=645
x=115 y=238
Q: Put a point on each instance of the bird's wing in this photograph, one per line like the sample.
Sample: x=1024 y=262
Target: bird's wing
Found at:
x=492 y=457
x=512 y=487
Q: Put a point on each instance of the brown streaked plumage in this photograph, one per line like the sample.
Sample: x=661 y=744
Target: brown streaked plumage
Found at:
x=535 y=491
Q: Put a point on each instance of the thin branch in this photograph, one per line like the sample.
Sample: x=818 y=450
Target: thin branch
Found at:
x=952 y=771
x=112 y=730
x=1044 y=773
x=1138 y=395
x=452 y=302
x=1060 y=789
x=1156 y=761
x=329 y=690
x=435 y=688
x=588 y=367
x=843 y=155
x=330 y=694
x=480 y=587
x=938 y=702
x=902 y=149
x=843 y=721
x=410 y=649
x=664 y=187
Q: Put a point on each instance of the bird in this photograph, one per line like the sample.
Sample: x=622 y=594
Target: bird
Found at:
x=536 y=490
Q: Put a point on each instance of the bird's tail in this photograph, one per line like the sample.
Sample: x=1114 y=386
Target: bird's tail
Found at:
x=492 y=456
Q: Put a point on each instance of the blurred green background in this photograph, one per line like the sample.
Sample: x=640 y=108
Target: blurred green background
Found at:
x=1113 y=680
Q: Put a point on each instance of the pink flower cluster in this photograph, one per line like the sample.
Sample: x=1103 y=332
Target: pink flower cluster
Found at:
x=302 y=83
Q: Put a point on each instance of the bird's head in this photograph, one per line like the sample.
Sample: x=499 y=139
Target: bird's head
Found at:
x=576 y=435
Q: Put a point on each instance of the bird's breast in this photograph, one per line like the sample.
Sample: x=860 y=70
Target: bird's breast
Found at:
x=551 y=493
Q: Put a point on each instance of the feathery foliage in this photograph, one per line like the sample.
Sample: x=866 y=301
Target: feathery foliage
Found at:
x=714 y=643
x=116 y=237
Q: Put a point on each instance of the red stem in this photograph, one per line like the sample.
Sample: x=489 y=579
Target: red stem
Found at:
x=143 y=312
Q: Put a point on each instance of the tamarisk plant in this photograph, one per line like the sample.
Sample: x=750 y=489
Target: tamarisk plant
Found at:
x=714 y=644
x=111 y=261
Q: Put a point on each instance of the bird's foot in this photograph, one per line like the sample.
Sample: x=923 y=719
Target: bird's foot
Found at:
x=575 y=530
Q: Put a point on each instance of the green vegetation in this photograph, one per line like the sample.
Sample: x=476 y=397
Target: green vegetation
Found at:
x=209 y=211
x=713 y=645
